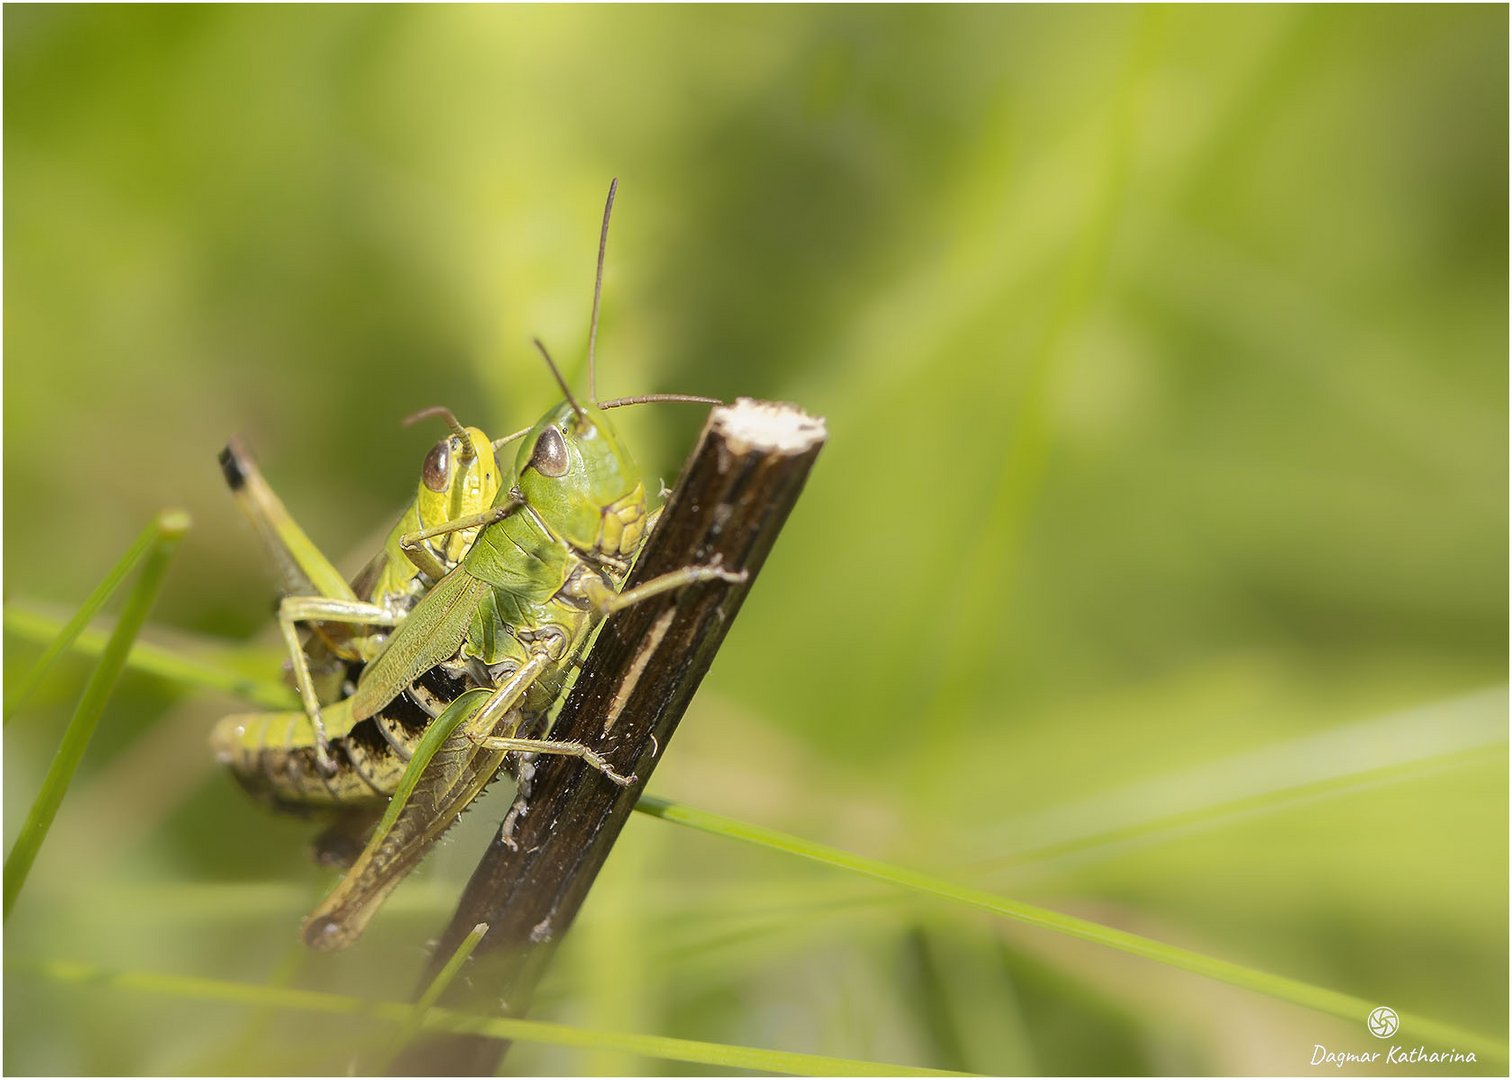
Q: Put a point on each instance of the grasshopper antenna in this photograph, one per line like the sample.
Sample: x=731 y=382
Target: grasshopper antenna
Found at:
x=620 y=403
x=437 y=410
x=648 y=399
x=451 y=421
x=560 y=381
x=598 y=288
x=499 y=444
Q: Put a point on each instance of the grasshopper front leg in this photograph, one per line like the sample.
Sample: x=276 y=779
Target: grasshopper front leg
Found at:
x=413 y=543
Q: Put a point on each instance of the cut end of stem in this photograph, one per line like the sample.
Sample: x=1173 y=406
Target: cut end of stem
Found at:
x=769 y=425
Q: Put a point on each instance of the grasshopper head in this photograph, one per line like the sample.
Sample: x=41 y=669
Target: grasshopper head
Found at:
x=460 y=477
x=576 y=475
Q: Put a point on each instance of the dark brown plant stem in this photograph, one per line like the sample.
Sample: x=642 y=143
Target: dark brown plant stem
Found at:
x=729 y=505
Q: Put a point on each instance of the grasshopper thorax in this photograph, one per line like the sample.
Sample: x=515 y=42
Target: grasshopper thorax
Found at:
x=577 y=476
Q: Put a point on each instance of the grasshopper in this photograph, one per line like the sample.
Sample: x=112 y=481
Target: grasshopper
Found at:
x=471 y=673
x=348 y=623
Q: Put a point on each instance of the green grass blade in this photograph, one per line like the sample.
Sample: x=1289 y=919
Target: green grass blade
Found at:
x=152 y=659
x=80 y=618
x=1401 y=746
x=721 y=1055
x=433 y=992
x=1218 y=815
x=1295 y=991
x=168 y=530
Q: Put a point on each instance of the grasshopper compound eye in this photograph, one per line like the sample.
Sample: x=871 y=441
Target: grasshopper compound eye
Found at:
x=437 y=469
x=550 y=455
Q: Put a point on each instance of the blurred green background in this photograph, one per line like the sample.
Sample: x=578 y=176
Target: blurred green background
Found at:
x=1156 y=570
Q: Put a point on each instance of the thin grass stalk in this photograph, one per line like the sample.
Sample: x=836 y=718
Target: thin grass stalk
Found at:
x=176 y=667
x=92 y=604
x=168 y=531
x=665 y=1048
x=432 y=994
x=1295 y=991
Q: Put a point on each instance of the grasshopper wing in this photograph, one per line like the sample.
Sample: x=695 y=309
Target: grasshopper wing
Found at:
x=431 y=633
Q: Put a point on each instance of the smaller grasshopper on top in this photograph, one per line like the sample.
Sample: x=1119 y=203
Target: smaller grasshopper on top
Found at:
x=349 y=623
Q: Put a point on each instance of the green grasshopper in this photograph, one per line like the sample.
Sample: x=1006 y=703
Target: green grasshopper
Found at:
x=348 y=623
x=471 y=673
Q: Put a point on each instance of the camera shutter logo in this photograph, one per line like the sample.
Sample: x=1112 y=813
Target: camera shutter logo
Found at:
x=1383 y=1022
